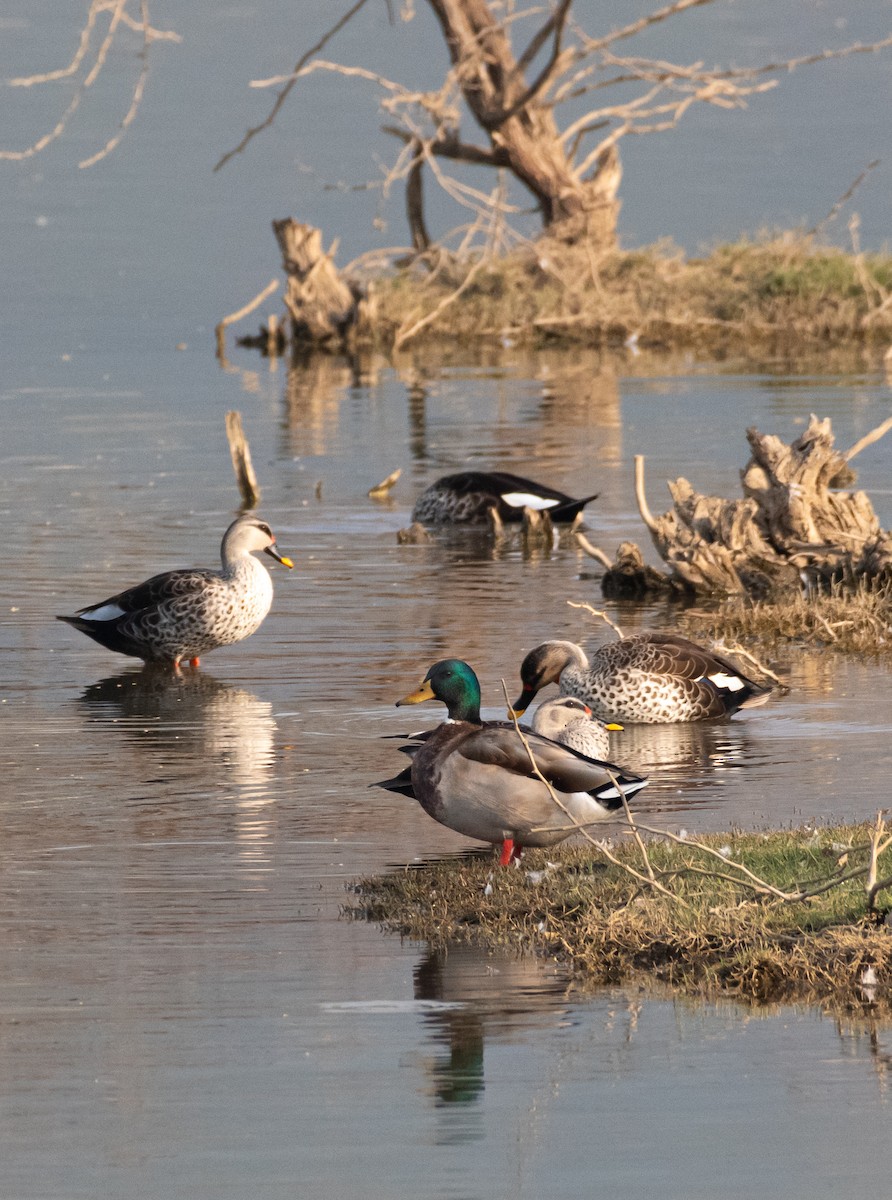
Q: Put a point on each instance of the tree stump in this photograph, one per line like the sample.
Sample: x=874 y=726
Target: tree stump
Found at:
x=323 y=307
x=791 y=526
x=630 y=578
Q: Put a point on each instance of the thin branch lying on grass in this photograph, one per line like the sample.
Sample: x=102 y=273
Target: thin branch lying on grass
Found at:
x=406 y=334
x=744 y=877
x=807 y=890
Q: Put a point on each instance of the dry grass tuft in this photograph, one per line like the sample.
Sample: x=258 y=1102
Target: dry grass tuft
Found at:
x=852 y=620
x=783 y=290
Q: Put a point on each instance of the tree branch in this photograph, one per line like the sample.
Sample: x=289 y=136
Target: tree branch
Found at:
x=447 y=144
x=283 y=95
x=557 y=23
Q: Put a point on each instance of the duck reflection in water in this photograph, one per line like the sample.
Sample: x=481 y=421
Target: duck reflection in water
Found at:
x=687 y=762
x=484 y=996
x=190 y=715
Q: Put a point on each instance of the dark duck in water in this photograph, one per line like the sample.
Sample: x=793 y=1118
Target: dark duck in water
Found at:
x=468 y=498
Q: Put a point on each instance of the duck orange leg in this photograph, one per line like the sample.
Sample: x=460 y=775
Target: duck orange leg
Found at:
x=511 y=853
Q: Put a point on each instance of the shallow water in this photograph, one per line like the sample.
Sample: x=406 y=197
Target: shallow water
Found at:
x=183 y=1007
x=184 y=1011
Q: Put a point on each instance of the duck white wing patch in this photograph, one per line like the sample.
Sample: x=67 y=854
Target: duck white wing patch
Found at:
x=105 y=612
x=731 y=683
x=528 y=500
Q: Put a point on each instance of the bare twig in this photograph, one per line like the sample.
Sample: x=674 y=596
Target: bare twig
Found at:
x=646 y=515
x=384 y=487
x=868 y=439
x=404 y=335
x=119 y=17
x=224 y=324
x=598 y=612
x=591 y=550
x=283 y=95
x=648 y=880
x=842 y=201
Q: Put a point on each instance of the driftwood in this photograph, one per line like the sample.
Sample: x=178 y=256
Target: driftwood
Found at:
x=241 y=461
x=324 y=308
x=788 y=529
x=629 y=577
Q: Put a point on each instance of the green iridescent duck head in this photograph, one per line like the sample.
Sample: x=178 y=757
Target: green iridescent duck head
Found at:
x=454 y=683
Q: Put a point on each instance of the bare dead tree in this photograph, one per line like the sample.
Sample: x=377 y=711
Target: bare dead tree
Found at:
x=552 y=101
x=86 y=66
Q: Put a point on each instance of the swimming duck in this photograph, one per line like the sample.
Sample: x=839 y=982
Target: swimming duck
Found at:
x=651 y=678
x=569 y=721
x=468 y=497
x=184 y=614
x=475 y=776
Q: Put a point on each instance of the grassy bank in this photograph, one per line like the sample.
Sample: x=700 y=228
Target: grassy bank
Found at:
x=780 y=291
x=851 y=620
x=765 y=917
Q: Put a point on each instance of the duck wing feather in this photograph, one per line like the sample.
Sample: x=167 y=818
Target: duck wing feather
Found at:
x=169 y=585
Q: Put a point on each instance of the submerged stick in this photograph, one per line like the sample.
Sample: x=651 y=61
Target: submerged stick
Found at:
x=598 y=612
x=242 y=312
x=383 y=488
x=241 y=460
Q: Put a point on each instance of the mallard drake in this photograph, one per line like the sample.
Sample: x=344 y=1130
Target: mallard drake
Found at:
x=651 y=678
x=572 y=723
x=468 y=497
x=476 y=777
x=184 y=614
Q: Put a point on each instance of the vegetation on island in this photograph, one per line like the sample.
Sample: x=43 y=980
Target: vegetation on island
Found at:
x=783 y=292
x=784 y=915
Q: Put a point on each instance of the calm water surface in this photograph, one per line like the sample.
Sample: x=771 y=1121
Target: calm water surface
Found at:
x=183 y=1009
